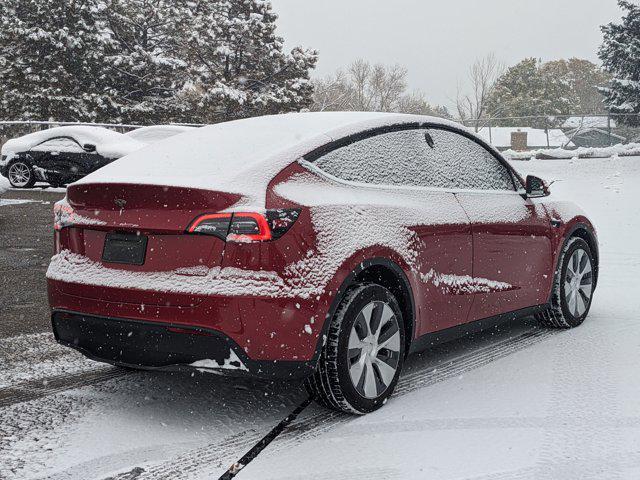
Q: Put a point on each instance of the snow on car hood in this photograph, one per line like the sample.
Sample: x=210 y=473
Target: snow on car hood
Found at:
x=240 y=156
x=108 y=143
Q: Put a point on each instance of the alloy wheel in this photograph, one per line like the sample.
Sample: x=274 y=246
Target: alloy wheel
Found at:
x=578 y=283
x=19 y=175
x=374 y=349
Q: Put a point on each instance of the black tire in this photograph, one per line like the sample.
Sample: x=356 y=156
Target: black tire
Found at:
x=331 y=385
x=560 y=313
x=25 y=167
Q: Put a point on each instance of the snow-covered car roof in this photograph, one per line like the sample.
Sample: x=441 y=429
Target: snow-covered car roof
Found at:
x=155 y=133
x=108 y=143
x=242 y=156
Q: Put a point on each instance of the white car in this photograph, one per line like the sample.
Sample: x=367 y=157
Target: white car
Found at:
x=155 y=133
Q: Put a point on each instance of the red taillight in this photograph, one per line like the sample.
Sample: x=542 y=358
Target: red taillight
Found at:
x=216 y=224
x=245 y=226
x=249 y=227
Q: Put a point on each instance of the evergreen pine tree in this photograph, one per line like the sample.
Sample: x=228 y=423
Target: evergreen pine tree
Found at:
x=620 y=55
x=50 y=59
x=237 y=64
x=143 y=61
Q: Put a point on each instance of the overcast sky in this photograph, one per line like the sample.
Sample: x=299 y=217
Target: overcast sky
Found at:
x=437 y=40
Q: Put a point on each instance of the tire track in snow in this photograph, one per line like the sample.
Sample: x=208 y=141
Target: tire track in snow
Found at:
x=37 y=356
x=34 y=389
x=582 y=387
x=214 y=456
x=321 y=420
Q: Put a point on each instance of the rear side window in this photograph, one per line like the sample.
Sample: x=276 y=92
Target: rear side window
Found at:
x=419 y=157
x=60 y=144
x=395 y=158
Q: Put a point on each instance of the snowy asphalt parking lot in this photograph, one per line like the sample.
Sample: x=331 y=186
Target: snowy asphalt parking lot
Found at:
x=520 y=403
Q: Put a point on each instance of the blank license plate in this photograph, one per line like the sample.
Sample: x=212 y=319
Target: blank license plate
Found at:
x=124 y=248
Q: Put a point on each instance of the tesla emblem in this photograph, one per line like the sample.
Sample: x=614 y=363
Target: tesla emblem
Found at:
x=120 y=203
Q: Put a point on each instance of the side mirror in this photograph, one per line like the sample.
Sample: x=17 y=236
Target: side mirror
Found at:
x=536 y=187
x=89 y=147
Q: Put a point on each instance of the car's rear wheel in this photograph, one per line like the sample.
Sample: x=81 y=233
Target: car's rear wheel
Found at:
x=21 y=175
x=364 y=352
x=573 y=286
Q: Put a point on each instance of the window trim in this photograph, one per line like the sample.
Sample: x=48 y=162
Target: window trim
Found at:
x=319 y=152
x=62 y=137
x=407 y=188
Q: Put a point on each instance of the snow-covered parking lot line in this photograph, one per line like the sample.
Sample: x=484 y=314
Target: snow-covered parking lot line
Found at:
x=4 y=202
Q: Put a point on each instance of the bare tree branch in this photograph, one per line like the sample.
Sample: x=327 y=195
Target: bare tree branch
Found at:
x=483 y=74
x=367 y=87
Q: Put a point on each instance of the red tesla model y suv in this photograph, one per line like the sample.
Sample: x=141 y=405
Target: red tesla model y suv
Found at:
x=324 y=246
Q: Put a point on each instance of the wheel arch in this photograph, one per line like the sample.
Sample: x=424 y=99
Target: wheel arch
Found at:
x=586 y=233
x=384 y=272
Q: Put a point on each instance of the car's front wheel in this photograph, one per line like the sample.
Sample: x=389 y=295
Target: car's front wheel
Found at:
x=573 y=286
x=364 y=352
x=21 y=175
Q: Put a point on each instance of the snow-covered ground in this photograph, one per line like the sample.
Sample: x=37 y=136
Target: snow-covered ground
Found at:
x=524 y=403
x=4 y=186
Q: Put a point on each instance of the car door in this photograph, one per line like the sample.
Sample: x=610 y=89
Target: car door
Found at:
x=63 y=158
x=512 y=251
x=405 y=171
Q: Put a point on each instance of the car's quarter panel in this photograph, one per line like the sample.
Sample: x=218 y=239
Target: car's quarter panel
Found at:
x=512 y=244
x=426 y=229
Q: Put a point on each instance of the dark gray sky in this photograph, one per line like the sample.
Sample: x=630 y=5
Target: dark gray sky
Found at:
x=438 y=40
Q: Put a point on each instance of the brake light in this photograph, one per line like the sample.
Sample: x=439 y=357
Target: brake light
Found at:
x=245 y=226
x=249 y=227
x=216 y=224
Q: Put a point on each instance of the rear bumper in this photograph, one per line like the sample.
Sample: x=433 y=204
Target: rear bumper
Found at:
x=164 y=346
